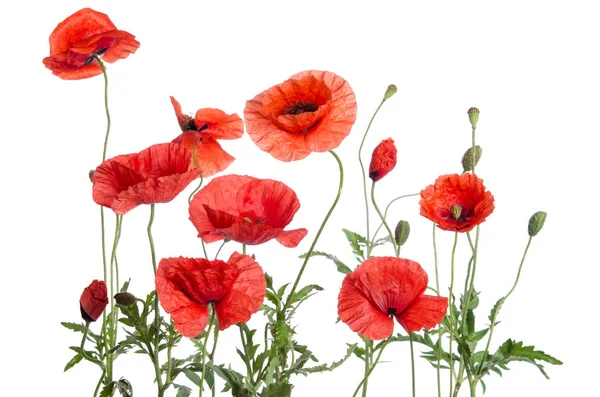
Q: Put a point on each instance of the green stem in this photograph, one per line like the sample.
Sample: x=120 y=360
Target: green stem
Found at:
x=450 y=307
x=373 y=366
x=105 y=105
x=99 y=382
x=437 y=288
x=368 y=353
x=469 y=292
x=386 y=212
x=412 y=365
x=362 y=167
x=391 y=234
x=247 y=354
x=314 y=243
x=473 y=147
x=82 y=350
x=210 y=324
x=212 y=357
x=493 y=320
x=244 y=249
x=221 y=247
x=198 y=187
x=156 y=308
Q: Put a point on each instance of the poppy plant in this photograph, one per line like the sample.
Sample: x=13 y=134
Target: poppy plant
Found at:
x=313 y=111
x=80 y=37
x=201 y=132
x=186 y=286
x=93 y=300
x=383 y=159
x=247 y=210
x=382 y=288
x=457 y=203
x=154 y=175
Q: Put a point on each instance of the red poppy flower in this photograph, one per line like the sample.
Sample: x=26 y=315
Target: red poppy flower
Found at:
x=456 y=203
x=76 y=40
x=382 y=288
x=247 y=210
x=313 y=111
x=202 y=132
x=93 y=300
x=154 y=175
x=185 y=287
x=383 y=159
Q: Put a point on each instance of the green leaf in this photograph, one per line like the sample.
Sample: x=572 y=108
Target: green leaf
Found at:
x=191 y=375
x=234 y=379
x=281 y=290
x=341 y=267
x=182 y=391
x=73 y=326
x=269 y=281
x=496 y=309
x=357 y=243
x=303 y=293
x=335 y=364
x=125 y=286
x=277 y=390
x=75 y=360
x=510 y=348
x=107 y=390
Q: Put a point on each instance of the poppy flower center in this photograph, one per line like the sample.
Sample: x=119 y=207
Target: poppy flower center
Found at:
x=392 y=311
x=300 y=107
x=91 y=57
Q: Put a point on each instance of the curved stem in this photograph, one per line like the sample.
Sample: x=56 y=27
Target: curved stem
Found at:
x=219 y=250
x=99 y=382
x=210 y=324
x=450 y=307
x=198 y=187
x=314 y=243
x=105 y=105
x=362 y=167
x=391 y=234
x=156 y=307
x=373 y=366
x=386 y=212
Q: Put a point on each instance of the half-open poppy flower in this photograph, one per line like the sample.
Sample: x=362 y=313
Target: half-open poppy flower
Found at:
x=201 y=133
x=382 y=288
x=186 y=286
x=93 y=301
x=76 y=40
x=313 y=111
x=383 y=159
x=457 y=203
x=247 y=210
x=154 y=175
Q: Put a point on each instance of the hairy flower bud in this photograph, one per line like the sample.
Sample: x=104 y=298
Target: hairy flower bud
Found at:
x=391 y=90
x=468 y=160
x=536 y=223
x=383 y=159
x=402 y=232
x=125 y=298
x=473 y=116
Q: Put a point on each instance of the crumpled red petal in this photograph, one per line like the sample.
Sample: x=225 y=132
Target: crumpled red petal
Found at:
x=155 y=175
x=425 y=312
x=210 y=157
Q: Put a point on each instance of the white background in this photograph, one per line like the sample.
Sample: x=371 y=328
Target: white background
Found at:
x=530 y=67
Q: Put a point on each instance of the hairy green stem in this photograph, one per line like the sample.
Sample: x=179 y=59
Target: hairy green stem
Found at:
x=391 y=234
x=373 y=366
x=450 y=306
x=156 y=308
x=210 y=324
x=386 y=212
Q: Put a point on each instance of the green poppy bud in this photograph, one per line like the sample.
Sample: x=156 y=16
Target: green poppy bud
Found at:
x=536 y=223
x=473 y=116
x=402 y=232
x=468 y=160
x=391 y=90
x=125 y=299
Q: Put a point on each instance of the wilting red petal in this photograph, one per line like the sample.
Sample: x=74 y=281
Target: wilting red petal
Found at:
x=76 y=40
x=425 y=312
x=383 y=159
x=186 y=286
x=155 y=175
x=211 y=158
x=466 y=191
x=382 y=287
x=219 y=124
x=245 y=209
x=245 y=296
x=313 y=111
x=93 y=300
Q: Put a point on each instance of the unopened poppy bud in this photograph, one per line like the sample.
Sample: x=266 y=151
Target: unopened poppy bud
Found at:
x=125 y=299
x=456 y=211
x=536 y=223
x=473 y=116
x=402 y=232
x=383 y=159
x=93 y=300
x=91 y=174
x=391 y=90
x=469 y=161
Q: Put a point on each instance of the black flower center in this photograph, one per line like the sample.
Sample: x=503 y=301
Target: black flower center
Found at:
x=300 y=107
x=91 y=57
x=392 y=311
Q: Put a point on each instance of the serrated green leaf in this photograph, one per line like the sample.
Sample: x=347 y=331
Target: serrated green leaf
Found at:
x=72 y=362
x=73 y=326
x=303 y=293
x=107 y=390
x=234 y=379
x=496 y=310
x=182 y=391
x=357 y=243
x=269 y=280
x=510 y=348
x=341 y=267
x=281 y=290
x=277 y=390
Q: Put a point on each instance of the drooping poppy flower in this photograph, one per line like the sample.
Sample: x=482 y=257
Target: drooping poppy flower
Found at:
x=383 y=159
x=94 y=299
x=186 y=286
x=247 y=210
x=76 y=40
x=313 y=111
x=382 y=288
x=201 y=133
x=456 y=203
x=154 y=175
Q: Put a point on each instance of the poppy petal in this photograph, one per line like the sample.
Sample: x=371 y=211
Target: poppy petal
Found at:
x=246 y=294
x=360 y=315
x=267 y=201
x=291 y=238
x=425 y=312
x=211 y=158
x=81 y=25
x=220 y=125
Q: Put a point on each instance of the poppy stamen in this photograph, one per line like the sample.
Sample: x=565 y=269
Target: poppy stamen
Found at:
x=392 y=311
x=300 y=107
